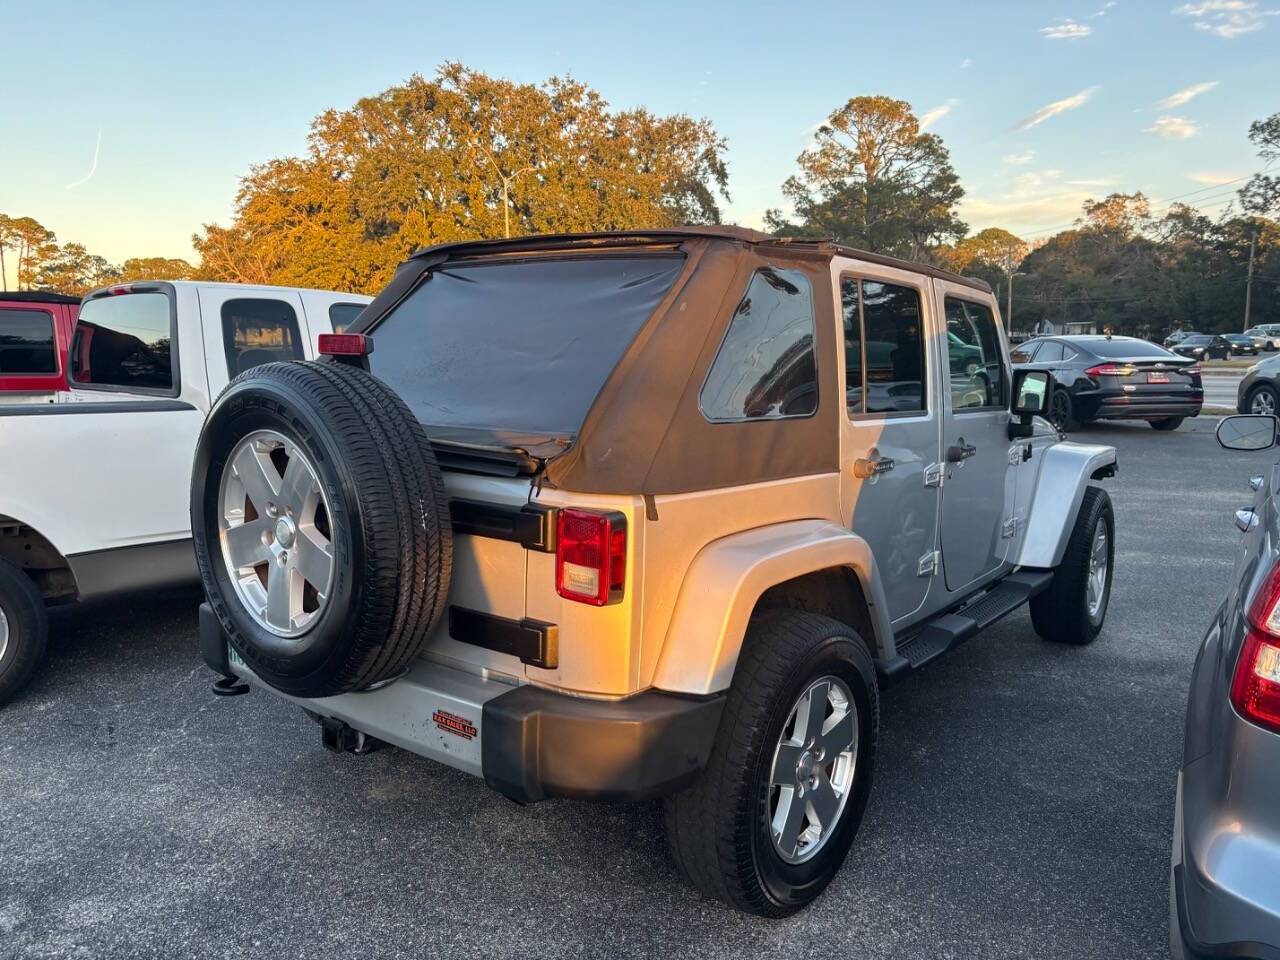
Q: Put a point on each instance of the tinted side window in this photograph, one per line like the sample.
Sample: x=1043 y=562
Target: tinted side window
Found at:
x=765 y=368
x=1024 y=352
x=977 y=366
x=258 y=331
x=26 y=342
x=124 y=341
x=342 y=315
x=884 y=352
x=1069 y=353
x=1051 y=352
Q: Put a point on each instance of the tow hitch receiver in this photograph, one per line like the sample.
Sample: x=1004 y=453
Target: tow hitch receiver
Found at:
x=340 y=737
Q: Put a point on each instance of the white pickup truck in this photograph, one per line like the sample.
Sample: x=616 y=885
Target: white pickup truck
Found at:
x=94 y=491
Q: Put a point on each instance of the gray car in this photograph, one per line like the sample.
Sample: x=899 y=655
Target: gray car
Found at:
x=1224 y=896
x=1259 y=390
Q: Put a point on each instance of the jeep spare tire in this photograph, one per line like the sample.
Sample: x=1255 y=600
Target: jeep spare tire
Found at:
x=321 y=527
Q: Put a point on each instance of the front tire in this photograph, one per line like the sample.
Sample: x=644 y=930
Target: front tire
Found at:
x=24 y=630
x=1263 y=399
x=1167 y=423
x=1074 y=607
x=774 y=813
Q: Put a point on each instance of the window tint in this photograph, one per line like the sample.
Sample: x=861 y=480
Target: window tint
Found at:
x=1024 y=352
x=342 y=315
x=977 y=367
x=1129 y=348
x=883 y=346
x=258 y=331
x=765 y=368
x=124 y=341
x=26 y=342
x=1069 y=352
x=1049 y=352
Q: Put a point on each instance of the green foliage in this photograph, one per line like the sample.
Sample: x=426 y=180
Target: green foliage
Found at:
x=462 y=156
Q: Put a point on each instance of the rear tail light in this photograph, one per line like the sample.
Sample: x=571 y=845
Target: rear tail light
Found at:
x=344 y=345
x=1112 y=370
x=591 y=556
x=1255 y=689
x=1191 y=371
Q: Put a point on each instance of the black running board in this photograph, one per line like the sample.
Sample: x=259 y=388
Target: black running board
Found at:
x=947 y=631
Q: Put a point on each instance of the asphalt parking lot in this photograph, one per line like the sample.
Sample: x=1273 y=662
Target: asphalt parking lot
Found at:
x=1022 y=807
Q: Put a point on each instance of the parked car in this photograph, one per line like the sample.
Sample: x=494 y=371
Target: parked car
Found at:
x=93 y=491
x=35 y=331
x=1178 y=336
x=674 y=554
x=1259 y=390
x=1269 y=333
x=1201 y=346
x=1114 y=378
x=1241 y=344
x=1224 y=886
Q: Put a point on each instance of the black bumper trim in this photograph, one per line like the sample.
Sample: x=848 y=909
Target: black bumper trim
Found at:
x=534 y=642
x=537 y=744
x=1232 y=950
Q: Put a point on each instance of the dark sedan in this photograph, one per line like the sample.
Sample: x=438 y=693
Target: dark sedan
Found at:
x=1114 y=378
x=1202 y=346
x=1241 y=344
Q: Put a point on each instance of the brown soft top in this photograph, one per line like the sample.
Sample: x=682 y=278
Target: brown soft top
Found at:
x=610 y=238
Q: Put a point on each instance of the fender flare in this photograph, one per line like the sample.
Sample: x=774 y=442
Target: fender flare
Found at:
x=1065 y=471
x=726 y=579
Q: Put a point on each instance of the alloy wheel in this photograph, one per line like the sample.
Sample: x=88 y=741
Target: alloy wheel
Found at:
x=811 y=777
x=1263 y=401
x=1098 y=565
x=274 y=527
x=4 y=633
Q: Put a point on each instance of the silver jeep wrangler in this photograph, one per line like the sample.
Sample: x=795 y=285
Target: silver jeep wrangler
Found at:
x=639 y=515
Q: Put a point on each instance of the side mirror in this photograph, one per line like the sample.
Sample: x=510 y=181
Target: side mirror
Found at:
x=1031 y=392
x=1247 y=432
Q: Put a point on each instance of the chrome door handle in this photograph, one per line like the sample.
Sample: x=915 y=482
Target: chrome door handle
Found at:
x=872 y=467
x=1255 y=483
x=1246 y=520
x=960 y=451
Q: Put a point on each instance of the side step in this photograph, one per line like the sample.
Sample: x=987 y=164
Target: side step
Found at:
x=947 y=631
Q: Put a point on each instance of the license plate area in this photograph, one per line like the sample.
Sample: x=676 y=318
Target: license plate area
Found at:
x=1157 y=378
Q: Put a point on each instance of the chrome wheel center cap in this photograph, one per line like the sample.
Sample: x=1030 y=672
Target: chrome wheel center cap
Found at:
x=285 y=532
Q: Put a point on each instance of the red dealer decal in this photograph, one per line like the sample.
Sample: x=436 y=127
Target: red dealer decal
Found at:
x=452 y=723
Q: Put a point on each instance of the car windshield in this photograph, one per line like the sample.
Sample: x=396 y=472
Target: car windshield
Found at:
x=518 y=346
x=1127 y=347
x=1196 y=340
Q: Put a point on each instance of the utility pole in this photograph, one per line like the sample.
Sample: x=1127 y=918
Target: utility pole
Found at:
x=1008 y=314
x=1248 y=284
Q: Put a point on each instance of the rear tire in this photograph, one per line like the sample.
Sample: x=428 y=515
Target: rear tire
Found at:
x=1061 y=412
x=386 y=527
x=721 y=829
x=1167 y=423
x=1065 y=612
x=24 y=630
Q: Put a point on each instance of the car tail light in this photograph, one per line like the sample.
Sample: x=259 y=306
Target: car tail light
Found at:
x=1112 y=370
x=1191 y=370
x=344 y=345
x=1255 y=689
x=591 y=556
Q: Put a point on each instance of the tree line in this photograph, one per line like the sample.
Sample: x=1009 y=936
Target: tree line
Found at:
x=463 y=155
x=39 y=262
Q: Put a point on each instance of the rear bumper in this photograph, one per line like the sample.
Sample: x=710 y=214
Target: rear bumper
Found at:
x=1134 y=406
x=528 y=743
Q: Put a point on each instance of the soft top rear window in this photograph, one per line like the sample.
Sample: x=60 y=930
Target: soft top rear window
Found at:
x=517 y=346
x=1126 y=348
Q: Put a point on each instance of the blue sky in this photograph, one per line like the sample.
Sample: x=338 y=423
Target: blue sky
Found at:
x=1040 y=104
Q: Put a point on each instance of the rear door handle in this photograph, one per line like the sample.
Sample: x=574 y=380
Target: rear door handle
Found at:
x=960 y=451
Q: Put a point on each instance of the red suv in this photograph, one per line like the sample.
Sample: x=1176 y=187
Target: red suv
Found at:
x=35 y=334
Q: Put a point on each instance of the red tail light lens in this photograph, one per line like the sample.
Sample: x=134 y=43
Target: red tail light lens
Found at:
x=1255 y=689
x=591 y=556
x=344 y=345
x=1111 y=370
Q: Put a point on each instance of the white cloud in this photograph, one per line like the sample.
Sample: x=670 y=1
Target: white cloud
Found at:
x=1096 y=182
x=1173 y=128
x=1214 y=179
x=1057 y=107
x=1103 y=11
x=97 y=147
x=1018 y=159
x=1182 y=96
x=1226 y=18
x=937 y=113
x=1067 y=30
x=966 y=63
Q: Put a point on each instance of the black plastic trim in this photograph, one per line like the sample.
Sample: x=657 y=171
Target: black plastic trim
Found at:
x=530 y=525
x=1233 y=949
x=213 y=641
x=537 y=744
x=534 y=642
x=95 y=406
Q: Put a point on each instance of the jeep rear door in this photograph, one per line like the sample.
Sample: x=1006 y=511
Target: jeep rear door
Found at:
x=977 y=486
x=890 y=434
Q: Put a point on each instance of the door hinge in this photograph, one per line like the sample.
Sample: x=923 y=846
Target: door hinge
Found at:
x=933 y=475
x=929 y=564
x=1015 y=455
x=1009 y=528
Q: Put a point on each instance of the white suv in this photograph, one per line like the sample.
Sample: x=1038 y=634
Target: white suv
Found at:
x=646 y=514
